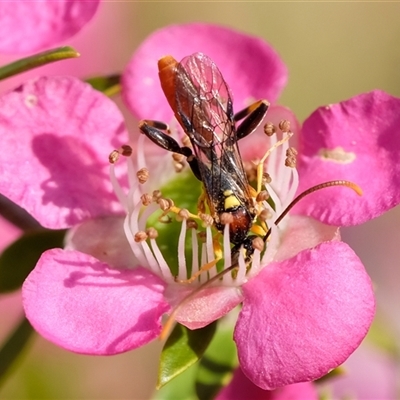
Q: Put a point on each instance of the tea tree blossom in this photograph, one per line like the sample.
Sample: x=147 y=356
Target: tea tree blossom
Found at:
x=308 y=301
x=37 y=25
x=242 y=388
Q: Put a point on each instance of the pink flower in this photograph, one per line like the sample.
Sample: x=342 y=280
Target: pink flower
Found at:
x=307 y=303
x=370 y=373
x=242 y=388
x=39 y=25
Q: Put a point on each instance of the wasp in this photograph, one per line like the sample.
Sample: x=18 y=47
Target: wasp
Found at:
x=202 y=104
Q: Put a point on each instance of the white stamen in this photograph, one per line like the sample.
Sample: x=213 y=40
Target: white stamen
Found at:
x=182 y=271
x=195 y=253
x=137 y=251
x=241 y=274
x=292 y=188
x=209 y=243
x=203 y=277
x=122 y=198
x=144 y=217
x=151 y=261
x=227 y=247
x=275 y=198
x=271 y=160
x=140 y=156
x=281 y=190
x=165 y=271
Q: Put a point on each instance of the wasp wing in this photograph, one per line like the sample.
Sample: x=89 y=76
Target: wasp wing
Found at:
x=204 y=105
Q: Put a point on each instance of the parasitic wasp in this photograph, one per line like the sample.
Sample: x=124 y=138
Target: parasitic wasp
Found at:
x=202 y=103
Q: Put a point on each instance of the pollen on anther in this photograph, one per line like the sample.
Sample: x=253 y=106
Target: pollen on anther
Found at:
x=156 y=195
x=142 y=175
x=266 y=178
x=258 y=243
x=269 y=128
x=146 y=199
x=262 y=196
x=126 y=150
x=202 y=236
x=265 y=215
x=179 y=158
x=113 y=157
x=207 y=219
x=284 y=125
x=191 y=224
x=178 y=167
x=152 y=233
x=164 y=204
x=183 y=213
x=186 y=141
x=140 y=236
x=226 y=218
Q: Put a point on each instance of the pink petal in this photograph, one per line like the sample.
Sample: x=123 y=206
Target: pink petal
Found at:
x=369 y=374
x=304 y=233
x=8 y=233
x=360 y=134
x=242 y=388
x=104 y=239
x=207 y=306
x=250 y=66
x=79 y=303
x=304 y=316
x=28 y=26
x=56 y=135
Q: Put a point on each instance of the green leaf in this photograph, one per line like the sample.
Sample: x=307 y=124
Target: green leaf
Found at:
x=185 y=191
x=181 y=387
x=217 y=365
x=14 y=345
x=19 y=259
x=37 y=60
x=339 y=371
x=182 y=349
x=109 y=85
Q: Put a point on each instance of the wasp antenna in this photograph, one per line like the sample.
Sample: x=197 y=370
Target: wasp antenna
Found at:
x=313 y=189
x=168 y=324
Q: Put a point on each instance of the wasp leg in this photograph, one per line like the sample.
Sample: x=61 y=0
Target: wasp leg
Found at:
x=253 y=116
x=246 y=246
x=156 y=131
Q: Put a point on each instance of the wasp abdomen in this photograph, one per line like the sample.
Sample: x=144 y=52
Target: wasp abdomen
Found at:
x=240 y=218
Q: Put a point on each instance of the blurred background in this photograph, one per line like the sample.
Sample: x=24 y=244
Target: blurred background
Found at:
x=333 y=51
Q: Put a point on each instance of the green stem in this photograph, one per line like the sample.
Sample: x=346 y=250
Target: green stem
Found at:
x=37 y=60
x=13 y=346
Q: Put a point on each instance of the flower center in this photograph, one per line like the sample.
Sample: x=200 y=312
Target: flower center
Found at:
x=202 y=252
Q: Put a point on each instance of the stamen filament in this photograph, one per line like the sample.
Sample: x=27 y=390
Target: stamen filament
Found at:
x=260 y=166
x=165 y=271
x=182 y=274
x=122 y=198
